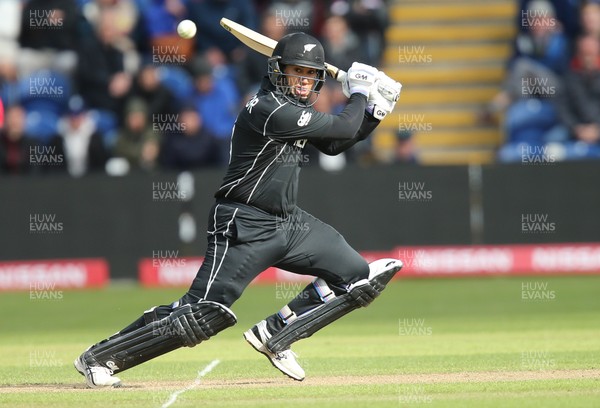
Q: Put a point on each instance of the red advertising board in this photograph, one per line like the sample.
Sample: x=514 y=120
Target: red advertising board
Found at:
x=420 y=261
x=54 y=274
x=500 y=259
x=181 y=272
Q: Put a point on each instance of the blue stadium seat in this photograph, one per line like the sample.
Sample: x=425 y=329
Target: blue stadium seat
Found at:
x=41 y=125
x=10 y=93
x=45 y=89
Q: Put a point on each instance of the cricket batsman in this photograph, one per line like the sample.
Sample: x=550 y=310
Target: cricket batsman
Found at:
x=254 y=221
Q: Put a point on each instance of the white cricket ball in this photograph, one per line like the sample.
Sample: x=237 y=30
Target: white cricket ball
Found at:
x=186 y=29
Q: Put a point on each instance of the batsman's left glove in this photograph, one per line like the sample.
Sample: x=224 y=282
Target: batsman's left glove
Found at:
x=383 y=96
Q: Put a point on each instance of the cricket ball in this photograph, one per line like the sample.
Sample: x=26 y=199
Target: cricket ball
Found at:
x=186 y=29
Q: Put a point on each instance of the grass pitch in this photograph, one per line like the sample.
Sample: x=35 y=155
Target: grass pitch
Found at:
x=489 y=342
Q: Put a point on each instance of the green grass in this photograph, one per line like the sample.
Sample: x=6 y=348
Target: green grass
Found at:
x=481 y=327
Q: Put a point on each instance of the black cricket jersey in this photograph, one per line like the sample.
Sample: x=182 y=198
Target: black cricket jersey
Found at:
x=267 y=141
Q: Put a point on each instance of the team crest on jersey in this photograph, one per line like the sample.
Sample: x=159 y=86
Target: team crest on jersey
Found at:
x=251 y=103
x=304 y=118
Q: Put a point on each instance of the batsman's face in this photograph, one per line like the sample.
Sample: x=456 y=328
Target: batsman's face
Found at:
x=301 y=80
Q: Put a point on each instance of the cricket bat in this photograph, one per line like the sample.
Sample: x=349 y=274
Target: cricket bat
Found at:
x=266 y=45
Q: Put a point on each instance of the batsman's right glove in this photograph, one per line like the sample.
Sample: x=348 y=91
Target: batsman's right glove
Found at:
x=383 y=96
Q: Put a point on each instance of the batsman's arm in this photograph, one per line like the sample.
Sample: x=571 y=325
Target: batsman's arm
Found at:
x=336 y=147
x=321 y=127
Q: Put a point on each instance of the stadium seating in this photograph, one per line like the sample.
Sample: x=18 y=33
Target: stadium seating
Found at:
x=450 y=57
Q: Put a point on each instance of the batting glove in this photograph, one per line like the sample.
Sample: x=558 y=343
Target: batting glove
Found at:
x=383 y=96
x=359 y=79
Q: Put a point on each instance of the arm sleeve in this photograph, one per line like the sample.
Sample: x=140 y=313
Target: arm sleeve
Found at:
x=290 y=122
x=332 y=148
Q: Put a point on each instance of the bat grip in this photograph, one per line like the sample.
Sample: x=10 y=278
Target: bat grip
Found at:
x=335 y=72
x=341 y=76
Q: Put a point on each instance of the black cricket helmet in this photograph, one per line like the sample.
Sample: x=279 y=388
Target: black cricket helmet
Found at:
x=297 y=49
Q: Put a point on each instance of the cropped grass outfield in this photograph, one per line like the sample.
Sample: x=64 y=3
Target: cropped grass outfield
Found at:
x=434 y=343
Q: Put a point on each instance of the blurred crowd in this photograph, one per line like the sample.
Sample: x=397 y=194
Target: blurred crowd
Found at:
x=95 y=86
x=549 y=106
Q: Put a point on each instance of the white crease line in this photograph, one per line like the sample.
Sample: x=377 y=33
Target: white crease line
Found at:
x=201 y=374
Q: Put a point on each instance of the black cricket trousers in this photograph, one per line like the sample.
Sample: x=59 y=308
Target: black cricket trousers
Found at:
x=243 y=241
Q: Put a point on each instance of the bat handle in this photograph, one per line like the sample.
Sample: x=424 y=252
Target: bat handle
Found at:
x=335 y=72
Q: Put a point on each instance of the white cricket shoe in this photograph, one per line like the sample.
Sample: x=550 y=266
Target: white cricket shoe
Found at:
x=285 y=361
x=96 y=376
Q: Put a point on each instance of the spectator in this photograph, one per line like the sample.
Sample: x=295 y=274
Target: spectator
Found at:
x=341 y=45
x=405 y=148
x=566 y=11
x=78 y=142
x=368 y=19
x=217 y=101
x=190 y=148
x=543 y=41
x=15 y=145
x=10 y=10
x=125 y=12
x=590 y=19
x=137 y=142
x=530 y=98
x=49 y=36
x=580 y=110
x=102 y=79
x=148 y=87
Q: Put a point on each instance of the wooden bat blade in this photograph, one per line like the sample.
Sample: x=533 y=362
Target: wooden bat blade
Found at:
x=251 y=38
x=265 y=45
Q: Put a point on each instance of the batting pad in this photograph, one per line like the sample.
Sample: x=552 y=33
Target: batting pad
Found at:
x=186 y=326
x=381 y=272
